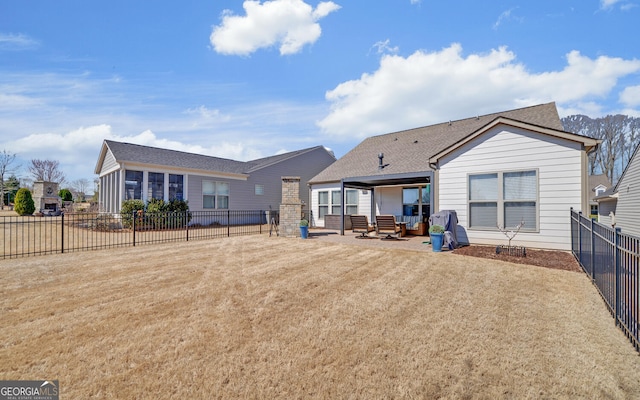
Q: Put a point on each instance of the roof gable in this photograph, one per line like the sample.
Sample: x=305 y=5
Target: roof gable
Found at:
x=589 y=143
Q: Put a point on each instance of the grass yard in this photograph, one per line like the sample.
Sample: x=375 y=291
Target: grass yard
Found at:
x=268 y=317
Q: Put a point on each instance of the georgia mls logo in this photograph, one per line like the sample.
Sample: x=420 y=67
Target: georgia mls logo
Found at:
x=29 y=390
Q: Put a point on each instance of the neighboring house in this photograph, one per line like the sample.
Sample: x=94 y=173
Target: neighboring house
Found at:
x=598 y=185
x=619 y=206
x=131 y=171
x=497 y=169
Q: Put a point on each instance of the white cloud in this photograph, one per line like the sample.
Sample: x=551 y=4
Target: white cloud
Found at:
x=384 y=47
x=506 y=16
x=604 y=4
x=630 y=96
x=290 y=24
x=426 y=88
x=10 y=41
x=610 y=4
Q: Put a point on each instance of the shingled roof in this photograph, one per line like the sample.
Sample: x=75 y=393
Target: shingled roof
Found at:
x=135 y=153
x=409 y=151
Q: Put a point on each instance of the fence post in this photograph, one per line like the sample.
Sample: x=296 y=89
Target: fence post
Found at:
x=62 y=240
x=616 y=258
x=228 y=223
x=593 y=250
x=133 y=225
x=186 y=223
x=580 y=238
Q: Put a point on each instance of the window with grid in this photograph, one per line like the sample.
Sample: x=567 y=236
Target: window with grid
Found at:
x=503 y=198
x=323 y=204
x=215 y=195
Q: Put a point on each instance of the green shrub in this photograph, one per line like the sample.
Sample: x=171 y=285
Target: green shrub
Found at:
x=156 y=214
x=436 y=229
x=65 y=194
x=23 y=203
x=127 y=210
x=304 y=222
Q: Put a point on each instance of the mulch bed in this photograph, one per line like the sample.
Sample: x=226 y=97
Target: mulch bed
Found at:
x=563 y=260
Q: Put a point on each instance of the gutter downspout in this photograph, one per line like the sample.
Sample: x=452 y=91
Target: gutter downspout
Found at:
x=342 y=207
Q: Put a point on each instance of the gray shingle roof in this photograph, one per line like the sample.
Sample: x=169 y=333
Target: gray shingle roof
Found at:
x=128 y=152
x=409 y=151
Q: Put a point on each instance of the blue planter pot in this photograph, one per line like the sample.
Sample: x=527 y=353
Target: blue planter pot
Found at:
x=304 y=232
x=436 y=241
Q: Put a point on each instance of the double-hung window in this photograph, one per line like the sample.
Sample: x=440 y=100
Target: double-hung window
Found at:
x=323 y=204
x=215 y=195
x=505 y=199
x=333 y=201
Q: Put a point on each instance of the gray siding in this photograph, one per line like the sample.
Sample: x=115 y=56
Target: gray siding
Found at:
x=604 y=208
x=109 y=163
x=628 y=208
x=242 y=193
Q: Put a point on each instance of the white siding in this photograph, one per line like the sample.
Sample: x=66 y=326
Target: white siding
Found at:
x=559 y=166
x=389 y=201
x=628 y=207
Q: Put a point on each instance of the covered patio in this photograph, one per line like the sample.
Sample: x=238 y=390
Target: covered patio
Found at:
x=405 y=195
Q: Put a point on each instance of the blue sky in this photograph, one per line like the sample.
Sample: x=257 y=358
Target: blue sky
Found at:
x=244 y=80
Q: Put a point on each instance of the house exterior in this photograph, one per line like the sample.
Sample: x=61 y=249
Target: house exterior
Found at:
x=496 y=169
x=130 y=171
x=598 y=185
x=620 y=206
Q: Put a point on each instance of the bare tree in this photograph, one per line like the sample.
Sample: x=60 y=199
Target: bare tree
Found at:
x=632 y=140
x=583 y=125
x=611 y=130
x=616 y=133
x=46 y=170
x=80 y=187
x=6 y=168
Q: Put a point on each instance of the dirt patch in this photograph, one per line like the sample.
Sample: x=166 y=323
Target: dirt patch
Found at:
x=542 y=258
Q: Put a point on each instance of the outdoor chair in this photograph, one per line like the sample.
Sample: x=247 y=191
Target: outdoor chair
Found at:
x=386 y=225
x=360 y=224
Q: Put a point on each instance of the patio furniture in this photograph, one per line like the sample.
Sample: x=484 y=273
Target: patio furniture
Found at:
x=360 y=224
x=386 y=225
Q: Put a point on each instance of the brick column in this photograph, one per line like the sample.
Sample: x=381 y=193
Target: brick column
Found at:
x=291 y=207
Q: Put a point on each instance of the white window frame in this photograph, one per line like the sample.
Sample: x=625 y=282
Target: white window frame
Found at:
x=220 y=196
x=500 y=200
x=333 y=204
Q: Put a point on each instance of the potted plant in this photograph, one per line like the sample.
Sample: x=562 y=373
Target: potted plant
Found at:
x=304 y=228
x=436 y=232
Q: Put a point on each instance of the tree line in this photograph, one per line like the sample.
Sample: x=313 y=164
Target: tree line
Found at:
x=620 y=135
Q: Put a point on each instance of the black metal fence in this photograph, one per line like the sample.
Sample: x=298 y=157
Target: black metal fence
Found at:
x=31 y=235
x=612 y=260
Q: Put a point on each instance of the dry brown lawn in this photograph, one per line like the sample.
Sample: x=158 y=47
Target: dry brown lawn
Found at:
x=268 y=317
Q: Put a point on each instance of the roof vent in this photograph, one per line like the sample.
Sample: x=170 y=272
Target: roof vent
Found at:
x=415 y=141
x=381 y=163
x=449 y=122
